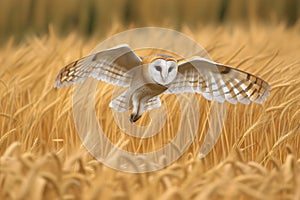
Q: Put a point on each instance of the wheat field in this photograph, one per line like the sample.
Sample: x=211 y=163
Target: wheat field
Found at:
x=256 y=157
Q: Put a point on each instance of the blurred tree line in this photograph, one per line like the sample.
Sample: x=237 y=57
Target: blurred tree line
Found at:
x=20 y=17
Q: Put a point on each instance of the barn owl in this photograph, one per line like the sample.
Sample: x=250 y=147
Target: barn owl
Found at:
x=146 y=77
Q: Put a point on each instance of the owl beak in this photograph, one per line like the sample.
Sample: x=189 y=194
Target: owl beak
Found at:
x=164 y=77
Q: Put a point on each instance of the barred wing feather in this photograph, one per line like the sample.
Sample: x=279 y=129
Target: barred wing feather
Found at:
x=111 y=66
x=218 y=82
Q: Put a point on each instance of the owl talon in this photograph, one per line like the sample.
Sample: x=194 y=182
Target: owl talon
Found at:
x=131 y=119
x=134 y=118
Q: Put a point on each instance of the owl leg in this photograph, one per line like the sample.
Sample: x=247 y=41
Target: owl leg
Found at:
x=137 y=112
x=138 y=108
x=144 y=105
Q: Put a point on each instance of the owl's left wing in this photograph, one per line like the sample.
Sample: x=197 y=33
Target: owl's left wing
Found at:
x=111 y=65
x=218 y=82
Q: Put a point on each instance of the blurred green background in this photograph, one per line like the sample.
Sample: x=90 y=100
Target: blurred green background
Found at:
x=19 y=18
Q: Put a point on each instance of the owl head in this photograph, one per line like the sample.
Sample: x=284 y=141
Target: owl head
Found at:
x=163 y=70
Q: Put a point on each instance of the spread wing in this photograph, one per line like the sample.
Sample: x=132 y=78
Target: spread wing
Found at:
x=111 y=66
x=219 y=82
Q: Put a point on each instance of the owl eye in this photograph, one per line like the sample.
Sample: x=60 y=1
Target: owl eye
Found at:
x=158 y=68
x=170 y=69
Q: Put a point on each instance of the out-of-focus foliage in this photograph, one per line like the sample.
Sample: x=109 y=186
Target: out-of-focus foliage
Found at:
x=18 y=17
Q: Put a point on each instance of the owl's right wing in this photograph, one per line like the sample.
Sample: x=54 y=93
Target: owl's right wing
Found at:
x=218 y=82
x=111 y=66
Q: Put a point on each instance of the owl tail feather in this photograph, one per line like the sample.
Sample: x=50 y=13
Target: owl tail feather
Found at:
x=121 y=103
x=152 y=103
